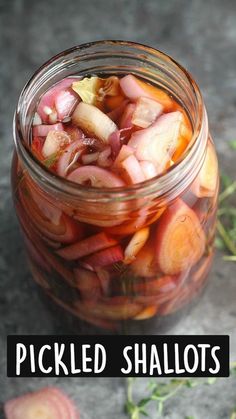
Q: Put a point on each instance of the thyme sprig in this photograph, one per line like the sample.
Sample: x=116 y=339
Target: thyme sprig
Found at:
x=226 y=223
x=160 y=392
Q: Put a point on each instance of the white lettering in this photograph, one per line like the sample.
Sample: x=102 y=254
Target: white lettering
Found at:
x=85 y=358
x=154 y=361
x=99 y=349
x=58 y=354
x=195 y=360
x=40 y=359
x=129 y=363
x=20 y=356
x=217 y=368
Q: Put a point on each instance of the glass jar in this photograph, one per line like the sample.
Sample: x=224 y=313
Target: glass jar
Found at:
x=177 y=210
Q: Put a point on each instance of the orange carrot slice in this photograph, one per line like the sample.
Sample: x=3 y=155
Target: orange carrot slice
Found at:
x=180 y=240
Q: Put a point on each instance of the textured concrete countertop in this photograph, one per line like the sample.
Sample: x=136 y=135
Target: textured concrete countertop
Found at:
x=202 y=36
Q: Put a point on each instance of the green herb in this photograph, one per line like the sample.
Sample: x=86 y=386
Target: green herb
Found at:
x=225 y=180
x=233 y=414
x=226 y=224
x=160 y=392
x=233 y=144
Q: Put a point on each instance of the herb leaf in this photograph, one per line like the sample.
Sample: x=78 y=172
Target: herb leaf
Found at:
x=233 y=144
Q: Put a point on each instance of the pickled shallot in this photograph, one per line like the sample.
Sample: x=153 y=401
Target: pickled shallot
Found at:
x=146 y=122
x=46 y=403
x=102 y=247
x=87 y=246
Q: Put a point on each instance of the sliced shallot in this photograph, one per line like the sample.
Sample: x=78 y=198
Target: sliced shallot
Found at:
x=47 y=102
x=93 y=121
x=65 y=103
x=125 y=152
x=160 y=141
x=126 y=119
x=87 y=246
x=88 y=284
x=144 y=263
x=90 y=158
x=135 y=245
x=96 y=176
x=43 y=130
x=146 y=112
x=69 y=157
x=132 y=170
x=36 y=120
x=134 y=88
x=148 y=168
x=114 y=141
x=55 y=140
x=104 y=159
x=46 y=403
x=105 y=257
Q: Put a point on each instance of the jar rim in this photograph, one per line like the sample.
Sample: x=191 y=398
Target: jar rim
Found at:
x=155 y=184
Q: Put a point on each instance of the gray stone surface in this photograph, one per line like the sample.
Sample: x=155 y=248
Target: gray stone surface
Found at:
x=202 y=36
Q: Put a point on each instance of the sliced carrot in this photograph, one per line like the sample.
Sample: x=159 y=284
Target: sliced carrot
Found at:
x=180 y=240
